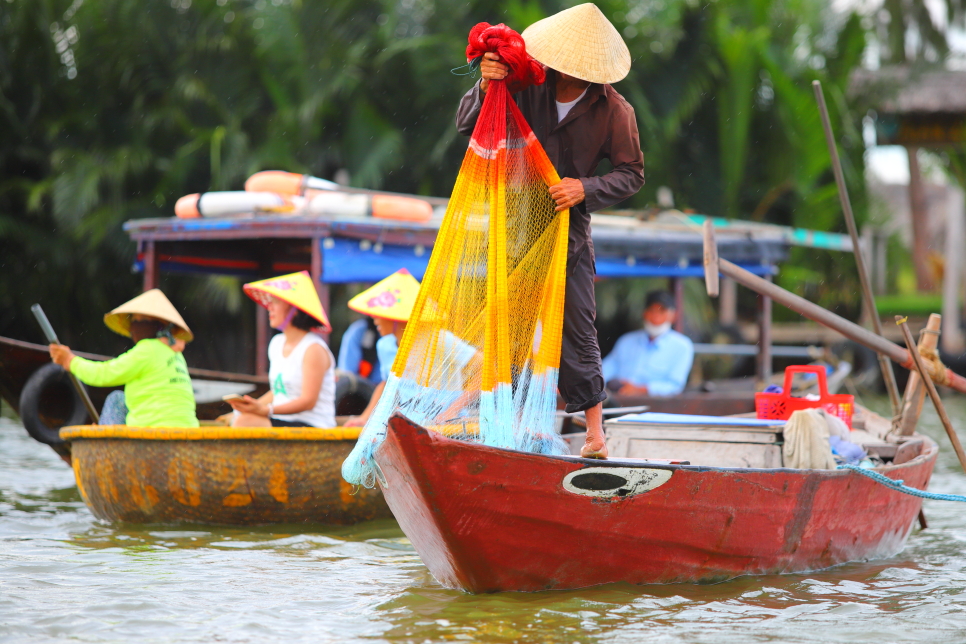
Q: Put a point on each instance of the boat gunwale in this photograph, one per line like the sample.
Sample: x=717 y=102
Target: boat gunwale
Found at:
x=208 y=433
x=626 y=462
x=930 y=451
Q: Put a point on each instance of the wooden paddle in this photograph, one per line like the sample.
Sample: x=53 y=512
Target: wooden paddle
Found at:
x=48 y=330
x=815 y=312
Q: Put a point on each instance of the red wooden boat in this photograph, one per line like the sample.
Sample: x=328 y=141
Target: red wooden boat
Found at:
x=486 y=519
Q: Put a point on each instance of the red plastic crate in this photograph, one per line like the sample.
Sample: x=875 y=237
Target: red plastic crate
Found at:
x=780 y=406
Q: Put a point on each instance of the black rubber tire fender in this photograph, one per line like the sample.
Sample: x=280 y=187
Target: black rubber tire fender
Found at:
x=43 y=425
x=352 y=393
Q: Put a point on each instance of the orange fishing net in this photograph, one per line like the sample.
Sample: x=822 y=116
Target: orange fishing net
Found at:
x=479 y=356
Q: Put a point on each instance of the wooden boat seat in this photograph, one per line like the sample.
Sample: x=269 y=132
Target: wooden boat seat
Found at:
x=740 y=441
x=702 y=440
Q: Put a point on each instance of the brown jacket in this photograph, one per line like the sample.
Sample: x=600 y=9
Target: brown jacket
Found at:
x=601 y=126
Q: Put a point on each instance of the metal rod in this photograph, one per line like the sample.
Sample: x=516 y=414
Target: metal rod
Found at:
x=888 y=375
x=931 y=388
x=51 y=335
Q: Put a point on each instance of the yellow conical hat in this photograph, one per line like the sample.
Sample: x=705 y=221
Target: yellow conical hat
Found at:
x=580 y=42
x=153 y=303
x=296 y=288
x=392 y=298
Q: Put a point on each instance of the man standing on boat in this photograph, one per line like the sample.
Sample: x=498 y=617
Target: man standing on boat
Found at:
x=580 y=120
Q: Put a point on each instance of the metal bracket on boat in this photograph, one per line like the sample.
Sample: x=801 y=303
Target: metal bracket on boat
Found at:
x=614 y=482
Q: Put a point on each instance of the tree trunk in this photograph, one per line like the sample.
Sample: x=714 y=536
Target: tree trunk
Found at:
x=919 y=211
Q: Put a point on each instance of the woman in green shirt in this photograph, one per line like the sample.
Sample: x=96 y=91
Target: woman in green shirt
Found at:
x=157 y=388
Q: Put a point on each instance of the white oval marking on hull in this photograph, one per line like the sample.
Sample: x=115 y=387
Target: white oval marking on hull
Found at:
x=609 y=482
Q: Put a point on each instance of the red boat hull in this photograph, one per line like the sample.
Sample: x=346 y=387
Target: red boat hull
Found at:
x=485 y=519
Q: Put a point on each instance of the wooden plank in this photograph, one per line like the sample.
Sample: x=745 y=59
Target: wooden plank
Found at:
x=728 y=307
x=692 y=434
x=151 y=267
x=316 y=272
x=261 y=341
x=915 y=394
x=676 y=286
x=708 y=453
x=952 y=338
x=759 y=429
x=764 y=362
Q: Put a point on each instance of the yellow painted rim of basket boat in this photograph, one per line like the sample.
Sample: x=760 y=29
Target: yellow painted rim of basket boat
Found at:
x=211 y=433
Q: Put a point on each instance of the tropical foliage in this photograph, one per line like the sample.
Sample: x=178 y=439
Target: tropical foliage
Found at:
x=112 y=109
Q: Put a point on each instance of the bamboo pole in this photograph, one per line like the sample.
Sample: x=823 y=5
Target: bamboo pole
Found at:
x=888 y=375
x=931 y=388
x=915 y=394
x=814 y=312
x=48 y=330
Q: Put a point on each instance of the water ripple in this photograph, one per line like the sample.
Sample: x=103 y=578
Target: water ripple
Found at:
x=64 y=575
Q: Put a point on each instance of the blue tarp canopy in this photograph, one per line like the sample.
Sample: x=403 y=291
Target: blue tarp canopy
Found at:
x=348 y=260
x=353 y=260
x=369 y=249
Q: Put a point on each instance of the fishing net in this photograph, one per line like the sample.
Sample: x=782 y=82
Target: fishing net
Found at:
x=479 y=356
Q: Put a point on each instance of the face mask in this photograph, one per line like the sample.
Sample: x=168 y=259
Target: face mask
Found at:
x=655 y=330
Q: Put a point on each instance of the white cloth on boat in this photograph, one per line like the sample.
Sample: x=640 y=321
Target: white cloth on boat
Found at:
x=285 y=378
x=836 y=426
x=806 y=441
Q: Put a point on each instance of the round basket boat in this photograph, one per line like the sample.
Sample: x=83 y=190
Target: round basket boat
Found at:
x=219 y=475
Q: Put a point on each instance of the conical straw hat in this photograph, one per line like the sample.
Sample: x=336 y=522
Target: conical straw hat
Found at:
x=296 y=288
x=579 y=42
x=392 y=298
x=153 y=303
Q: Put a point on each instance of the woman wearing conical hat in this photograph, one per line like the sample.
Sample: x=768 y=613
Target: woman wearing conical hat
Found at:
x=390 y=303
x=301 y=370
x=157 y=388
x=580 y=120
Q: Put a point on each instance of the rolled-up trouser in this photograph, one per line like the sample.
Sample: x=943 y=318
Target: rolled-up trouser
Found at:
x=114 y=411
x=581 y=381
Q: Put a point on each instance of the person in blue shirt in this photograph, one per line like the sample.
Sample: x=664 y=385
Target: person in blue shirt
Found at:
x=357 y=353
x=654 y=361
x=389 y=303
x=386 y=347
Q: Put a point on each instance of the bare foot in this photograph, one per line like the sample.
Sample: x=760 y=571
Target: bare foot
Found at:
x=594 y=447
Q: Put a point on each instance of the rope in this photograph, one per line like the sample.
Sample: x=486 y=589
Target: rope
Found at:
x=509 y=45
x=472 y=66
x=899 y=486
x=937 y=370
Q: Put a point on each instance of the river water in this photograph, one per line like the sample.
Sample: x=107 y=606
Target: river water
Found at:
x=65 y=575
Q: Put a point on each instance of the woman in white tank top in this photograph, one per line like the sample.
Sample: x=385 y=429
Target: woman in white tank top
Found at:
x=302 y=368
x=286 y=376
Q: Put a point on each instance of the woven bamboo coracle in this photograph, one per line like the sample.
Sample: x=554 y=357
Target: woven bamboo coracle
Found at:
x=219 y=475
